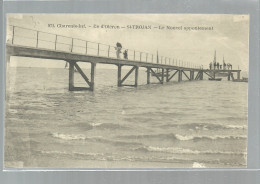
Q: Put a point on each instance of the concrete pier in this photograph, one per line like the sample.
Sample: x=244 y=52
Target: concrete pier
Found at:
x=180 y=76
x=148 y=75
x=71 y=76
x=166 y=70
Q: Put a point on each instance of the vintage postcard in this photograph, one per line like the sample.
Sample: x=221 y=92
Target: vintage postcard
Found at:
x=126 y=91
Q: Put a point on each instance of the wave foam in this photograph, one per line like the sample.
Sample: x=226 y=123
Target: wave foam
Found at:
x=236 y=126
x=198 y=165
x=184 y=151
x=207 y=126
x=69 y=136
x=108 y=126
x=189 y=137
x=180 y=137
x=73 y=136
x=79 y=137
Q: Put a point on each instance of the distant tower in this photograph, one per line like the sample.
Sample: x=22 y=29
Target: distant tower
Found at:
x=215 y=57
x=157 y=59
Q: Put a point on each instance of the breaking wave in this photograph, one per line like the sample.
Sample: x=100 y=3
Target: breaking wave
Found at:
x=81 y=137
x=68 y=137
x=206 y=126
x=195 y=138
x=181 y=137
x=108 y=126
x=175 y=150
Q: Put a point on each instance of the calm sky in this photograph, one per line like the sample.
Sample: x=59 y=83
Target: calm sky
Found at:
x=229 y=36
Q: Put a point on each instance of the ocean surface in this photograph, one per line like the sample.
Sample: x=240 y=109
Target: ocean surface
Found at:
x=174 y=125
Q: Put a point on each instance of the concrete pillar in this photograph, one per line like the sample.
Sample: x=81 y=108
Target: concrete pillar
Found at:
x=162 y=75
x=71 y=75
x=119 y=76
x=93 y=72
x=148 y=75
x=201 y=75
x=136 y=75
x=180 y=76
x=167 y=75
x=229 y=76
x=238 y=75
x=191 y=75
x=232 y=76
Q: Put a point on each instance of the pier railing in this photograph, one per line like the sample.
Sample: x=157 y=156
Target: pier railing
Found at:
x=38 y=39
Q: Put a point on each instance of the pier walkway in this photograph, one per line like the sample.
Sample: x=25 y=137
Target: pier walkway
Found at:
x=25 y=42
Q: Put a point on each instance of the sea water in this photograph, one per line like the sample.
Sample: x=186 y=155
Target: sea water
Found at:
x=174 y=125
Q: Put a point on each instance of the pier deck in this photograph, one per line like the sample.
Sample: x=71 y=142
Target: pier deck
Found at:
x=72 y=53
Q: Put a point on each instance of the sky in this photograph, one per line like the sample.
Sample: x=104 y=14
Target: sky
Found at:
x=229 y=37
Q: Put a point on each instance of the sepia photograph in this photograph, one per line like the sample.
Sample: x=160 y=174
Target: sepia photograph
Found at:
x=126 y=91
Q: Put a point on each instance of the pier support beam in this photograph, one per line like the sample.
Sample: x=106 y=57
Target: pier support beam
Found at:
x=121 y=81
x=71 y=75
x=180 y=76
x=229 y=74
x=238 y=75
x=185 y=75
x=93 y=72
x=90 y=83
x=148 y=75
x=191 y=75
x=201 y=75
x=173 y=75
x=119 y=72
x=209 y=75
x=232 y=76
x=197 y=76
x=167 y=75
x=156 y=75
x=162 y=76
x=136 y=75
